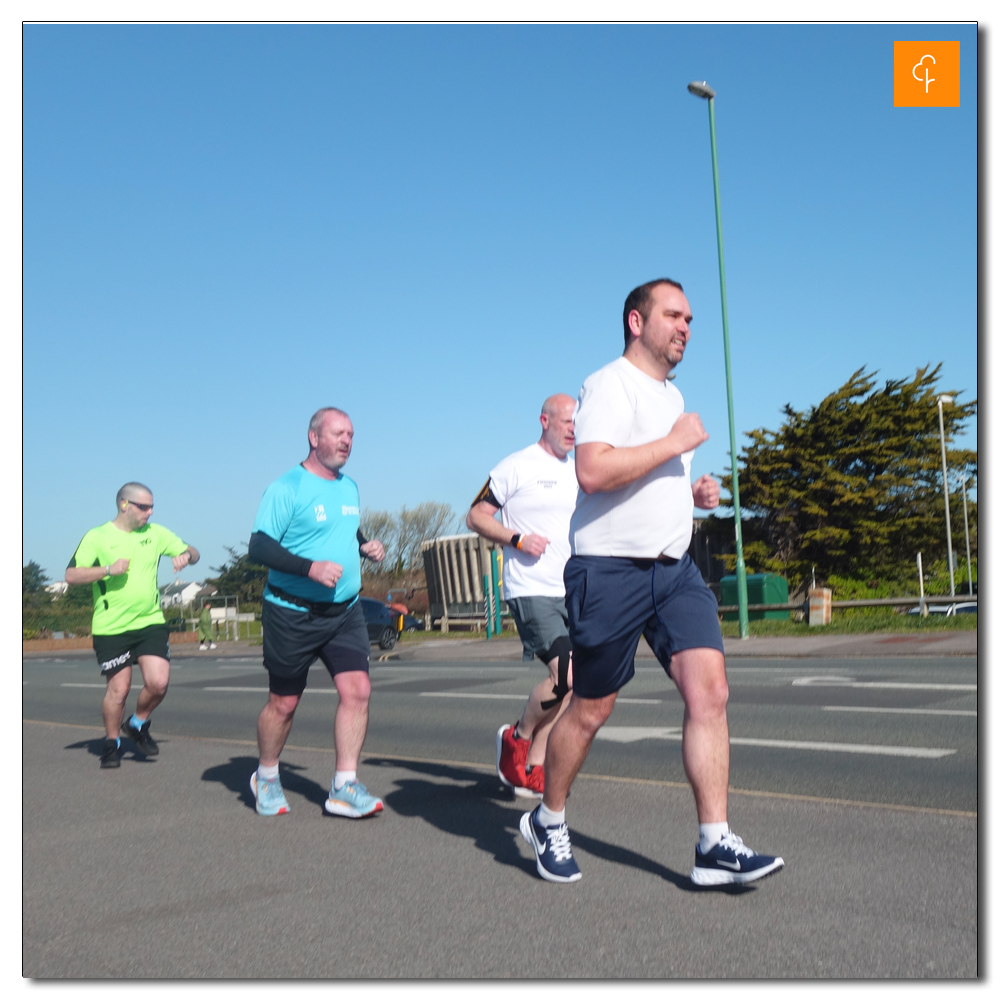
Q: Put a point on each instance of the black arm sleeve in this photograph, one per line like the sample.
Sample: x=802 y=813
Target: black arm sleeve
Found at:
x=265 y=550
x=486 y=493
x=361 y=538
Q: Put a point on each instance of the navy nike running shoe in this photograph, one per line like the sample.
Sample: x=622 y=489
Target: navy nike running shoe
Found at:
x=730 y=862
x=553 y=853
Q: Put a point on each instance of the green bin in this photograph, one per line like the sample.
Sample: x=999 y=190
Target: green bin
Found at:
x=762 y=588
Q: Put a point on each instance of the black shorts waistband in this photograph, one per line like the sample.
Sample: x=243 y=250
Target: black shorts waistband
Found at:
x=644 y=561
x=320 y=609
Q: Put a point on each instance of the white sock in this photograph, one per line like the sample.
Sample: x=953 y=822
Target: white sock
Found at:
x=549 y=818
x=267 y=773
x=710 y=834
x=341 y=778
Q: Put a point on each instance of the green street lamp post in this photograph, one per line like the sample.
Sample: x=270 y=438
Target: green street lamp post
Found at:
x=968 y=550
x=703 y=90
x=941 y=400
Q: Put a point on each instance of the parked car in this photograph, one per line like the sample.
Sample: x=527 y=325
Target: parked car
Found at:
x=948 y=610
x=965 y=608
x=382 y=622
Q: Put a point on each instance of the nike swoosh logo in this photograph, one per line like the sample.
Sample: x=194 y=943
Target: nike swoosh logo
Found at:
x=735 y=865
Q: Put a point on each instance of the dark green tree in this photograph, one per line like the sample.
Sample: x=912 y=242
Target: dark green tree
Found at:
x=240 y=576
x=853 y=485
x=33 y=578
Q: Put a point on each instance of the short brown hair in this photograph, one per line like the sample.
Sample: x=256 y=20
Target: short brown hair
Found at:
x=640 y=299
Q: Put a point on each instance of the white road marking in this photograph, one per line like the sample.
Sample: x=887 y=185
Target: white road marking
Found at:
x=894 y=685
x=520 y=697
x=898 y=711
x=264 y=690
x=239 y=689
x=102 y=686
x=630 y=734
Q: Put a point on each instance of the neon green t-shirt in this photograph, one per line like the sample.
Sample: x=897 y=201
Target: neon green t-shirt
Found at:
x=130 y=601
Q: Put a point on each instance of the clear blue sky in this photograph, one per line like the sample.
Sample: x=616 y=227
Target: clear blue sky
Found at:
x=435 y=227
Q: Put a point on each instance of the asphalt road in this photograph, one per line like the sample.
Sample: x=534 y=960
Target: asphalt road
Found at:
x=861 y=773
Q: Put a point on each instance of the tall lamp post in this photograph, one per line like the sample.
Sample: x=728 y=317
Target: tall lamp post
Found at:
x=941 y=400
x=968 y=550
x=703 y=90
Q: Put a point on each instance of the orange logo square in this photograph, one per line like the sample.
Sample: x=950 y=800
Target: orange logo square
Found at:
x=925 y=74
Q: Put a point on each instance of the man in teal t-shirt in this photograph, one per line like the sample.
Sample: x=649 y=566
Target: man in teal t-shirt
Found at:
x=308 y=533
x=120 y=559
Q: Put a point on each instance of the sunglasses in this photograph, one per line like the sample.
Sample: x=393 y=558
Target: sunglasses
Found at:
x=144 y=507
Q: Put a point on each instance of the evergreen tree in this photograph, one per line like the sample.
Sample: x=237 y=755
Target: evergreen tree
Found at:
x=241 y=577
x=33 y=578
x=853 y=485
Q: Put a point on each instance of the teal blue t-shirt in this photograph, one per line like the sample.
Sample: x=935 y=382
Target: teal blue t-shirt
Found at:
x=317 y=519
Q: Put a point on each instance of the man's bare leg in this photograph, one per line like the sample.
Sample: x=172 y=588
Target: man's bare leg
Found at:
x=569 y=743
x=700 y=676
x=351 y=722
x=537 y=722
x=155 y=680
x=273 y=726
x=540 y=735
x=118 y=686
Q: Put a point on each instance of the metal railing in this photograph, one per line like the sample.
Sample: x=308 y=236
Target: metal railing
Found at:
x=876 y=602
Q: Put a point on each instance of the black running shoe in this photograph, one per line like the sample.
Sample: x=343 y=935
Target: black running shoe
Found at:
x=111 y=755
x=144 y=743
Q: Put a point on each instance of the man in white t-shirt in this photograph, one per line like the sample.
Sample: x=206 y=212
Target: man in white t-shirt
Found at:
x=535 y=491
x=630 y=575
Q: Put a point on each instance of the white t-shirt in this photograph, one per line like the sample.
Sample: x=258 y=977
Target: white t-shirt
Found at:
x=622 y=406
x=537 y=493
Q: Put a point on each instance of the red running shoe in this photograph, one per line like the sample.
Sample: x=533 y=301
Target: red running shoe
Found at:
x=511 y=756
x=534 y=783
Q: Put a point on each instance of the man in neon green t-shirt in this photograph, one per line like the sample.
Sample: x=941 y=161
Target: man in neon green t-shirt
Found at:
x=120 y=558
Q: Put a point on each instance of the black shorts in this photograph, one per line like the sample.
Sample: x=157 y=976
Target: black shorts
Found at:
x=293 y=640
x=122 y=650
x=612 y=601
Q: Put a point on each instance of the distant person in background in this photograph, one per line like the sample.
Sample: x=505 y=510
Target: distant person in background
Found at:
x=120 y=559
x=205 y=633
x=535 y=492
x=308 y=533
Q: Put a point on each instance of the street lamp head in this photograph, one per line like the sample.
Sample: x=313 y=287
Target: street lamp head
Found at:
x=945 y=399
x=701 y=89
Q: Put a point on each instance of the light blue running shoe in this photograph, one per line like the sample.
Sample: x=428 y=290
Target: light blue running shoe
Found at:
x=352 y=801
x=270 y=796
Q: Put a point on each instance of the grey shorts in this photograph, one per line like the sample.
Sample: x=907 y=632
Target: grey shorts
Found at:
x=540 y=621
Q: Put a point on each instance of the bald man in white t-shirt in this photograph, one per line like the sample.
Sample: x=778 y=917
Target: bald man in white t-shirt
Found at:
x=630 y=575
x=535 y=491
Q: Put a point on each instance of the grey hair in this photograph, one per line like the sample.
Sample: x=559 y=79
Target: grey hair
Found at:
x=128 y=491
x=316 y=421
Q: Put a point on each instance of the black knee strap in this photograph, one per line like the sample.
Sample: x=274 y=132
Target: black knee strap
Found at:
x=560 y=648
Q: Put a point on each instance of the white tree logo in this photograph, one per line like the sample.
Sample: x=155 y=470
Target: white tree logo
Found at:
x=926 y=79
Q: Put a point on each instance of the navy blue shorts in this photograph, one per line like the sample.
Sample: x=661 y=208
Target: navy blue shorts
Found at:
x=612 y=601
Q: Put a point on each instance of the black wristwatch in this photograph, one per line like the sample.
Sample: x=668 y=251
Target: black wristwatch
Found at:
x=516 y=541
